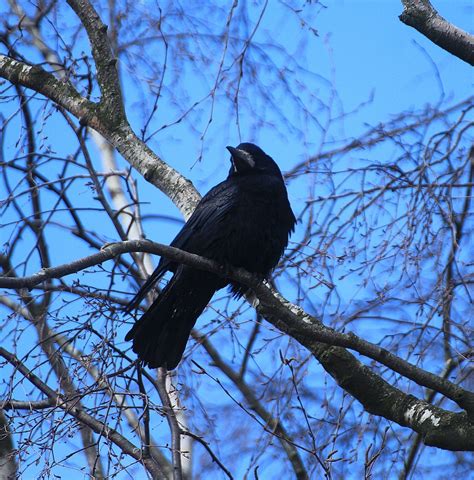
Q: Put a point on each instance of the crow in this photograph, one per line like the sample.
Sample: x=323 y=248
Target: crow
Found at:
x=244 y=221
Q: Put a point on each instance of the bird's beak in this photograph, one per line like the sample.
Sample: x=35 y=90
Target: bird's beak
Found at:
x=241 y=160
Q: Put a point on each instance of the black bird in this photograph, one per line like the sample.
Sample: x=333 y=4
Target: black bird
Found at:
x=245 y=221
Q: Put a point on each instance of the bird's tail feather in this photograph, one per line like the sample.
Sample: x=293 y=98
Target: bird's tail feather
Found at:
x=161 y=334
x=144 y=289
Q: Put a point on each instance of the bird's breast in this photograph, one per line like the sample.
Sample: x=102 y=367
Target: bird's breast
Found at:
x=257 y=232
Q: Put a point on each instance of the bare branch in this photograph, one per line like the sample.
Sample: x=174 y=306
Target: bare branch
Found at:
x=309 y=331
x=71 y=407
x=437 y=427
x=119 y=399
x=284 y=315
x=61 y=92
x=421 y=15
x=107 y=253
x=8 y=465
x=106 y=64
x=273 y=424
x=173 y=424
x=135 y=151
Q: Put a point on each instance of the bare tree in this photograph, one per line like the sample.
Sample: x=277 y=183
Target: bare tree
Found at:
x=357 y=356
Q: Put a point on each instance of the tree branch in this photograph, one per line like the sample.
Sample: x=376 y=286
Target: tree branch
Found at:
x=286 y=316
x=119 y=399
x=61 y=92
x=174 y=427
x=421 y=15
x=180 y=190
x=70 y=406
x=104 y=59
x=438 y=427
x=273 y=424
x=309 y=331
x=8 y=465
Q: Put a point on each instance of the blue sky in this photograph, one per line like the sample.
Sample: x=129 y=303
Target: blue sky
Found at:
x=362 y=49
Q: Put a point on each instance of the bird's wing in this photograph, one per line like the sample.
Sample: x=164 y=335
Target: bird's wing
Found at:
x=203 y=228
x=206 y=223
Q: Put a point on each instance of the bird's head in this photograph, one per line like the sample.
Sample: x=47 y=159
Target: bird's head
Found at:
x=248 y=159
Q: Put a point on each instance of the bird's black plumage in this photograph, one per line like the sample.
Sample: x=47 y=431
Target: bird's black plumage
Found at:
x=245 y=221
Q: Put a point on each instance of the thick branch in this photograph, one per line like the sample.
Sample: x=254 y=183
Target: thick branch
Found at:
x=421 y=15
x=27 y=405
x=180 y=190
x=438 y=427
x=8 y=465
x=285 y=316
x=111 y=101
x=61 y=92
x=107 y=253
x=309 y=331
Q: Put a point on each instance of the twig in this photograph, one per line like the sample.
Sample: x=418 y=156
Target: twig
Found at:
x=172 y=422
